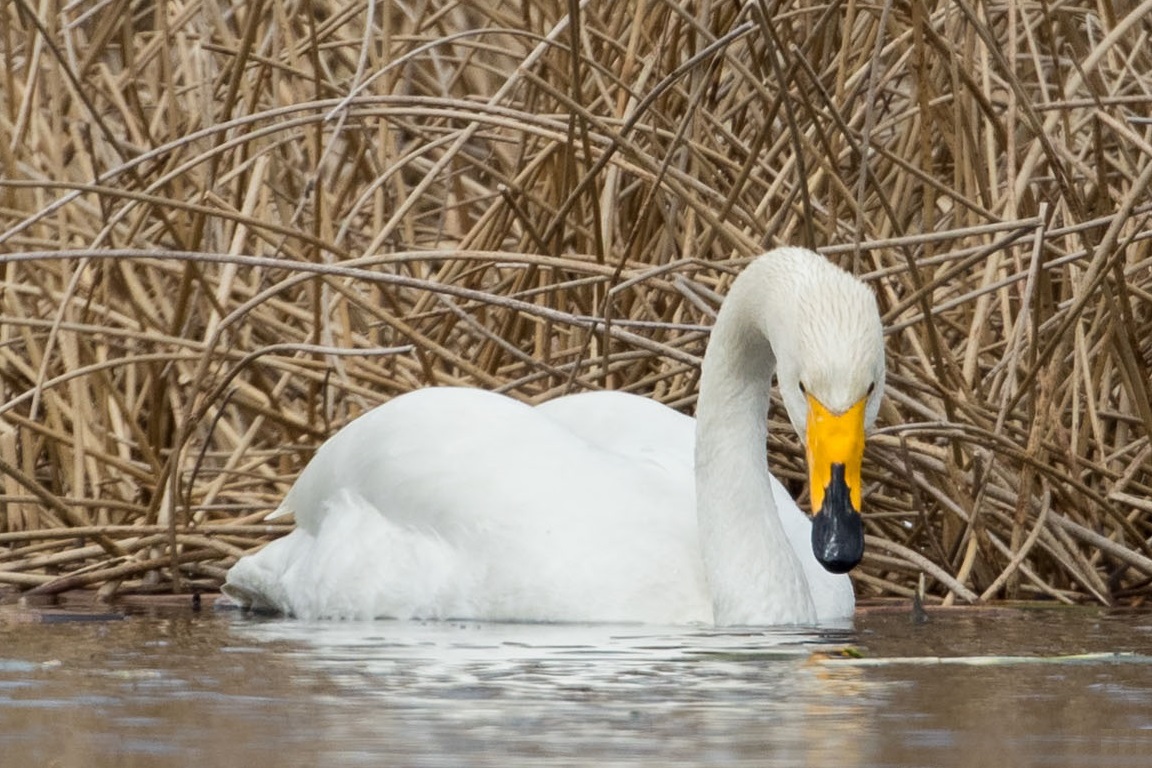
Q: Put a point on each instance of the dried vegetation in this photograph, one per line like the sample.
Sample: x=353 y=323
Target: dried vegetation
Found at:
x=228 y=228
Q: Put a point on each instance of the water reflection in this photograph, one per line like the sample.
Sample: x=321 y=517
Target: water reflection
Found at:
x=223 y=690
x=490 y=693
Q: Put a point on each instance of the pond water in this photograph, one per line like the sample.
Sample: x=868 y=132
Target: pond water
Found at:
x=215 y=688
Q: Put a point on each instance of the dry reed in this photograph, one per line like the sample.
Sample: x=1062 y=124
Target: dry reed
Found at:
x=227 y=228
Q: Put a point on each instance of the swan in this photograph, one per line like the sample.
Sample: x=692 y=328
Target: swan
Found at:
x=605 y=506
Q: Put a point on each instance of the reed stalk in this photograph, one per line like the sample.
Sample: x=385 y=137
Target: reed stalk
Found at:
x=229 y=228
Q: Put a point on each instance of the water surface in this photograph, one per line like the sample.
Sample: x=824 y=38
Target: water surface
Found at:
x=986 y=688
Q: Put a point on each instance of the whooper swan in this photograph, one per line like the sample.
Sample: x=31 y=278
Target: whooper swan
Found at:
x=463 y=503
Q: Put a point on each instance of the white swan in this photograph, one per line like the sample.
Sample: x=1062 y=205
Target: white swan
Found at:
x=461 y=503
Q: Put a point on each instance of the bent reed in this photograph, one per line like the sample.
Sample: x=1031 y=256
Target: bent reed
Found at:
x=228 y=228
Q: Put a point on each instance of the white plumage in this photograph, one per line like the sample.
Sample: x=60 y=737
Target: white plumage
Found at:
x=606 y=507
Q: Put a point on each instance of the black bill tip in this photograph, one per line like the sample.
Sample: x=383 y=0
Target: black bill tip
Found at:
x=837 y=529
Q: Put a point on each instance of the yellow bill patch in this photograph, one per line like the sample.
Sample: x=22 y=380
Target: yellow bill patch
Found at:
x=834 y=438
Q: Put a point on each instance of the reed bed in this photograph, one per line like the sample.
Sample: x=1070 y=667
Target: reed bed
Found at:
x=228 y=228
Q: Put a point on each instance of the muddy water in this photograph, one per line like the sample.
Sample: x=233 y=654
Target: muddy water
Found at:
x=1004 y=688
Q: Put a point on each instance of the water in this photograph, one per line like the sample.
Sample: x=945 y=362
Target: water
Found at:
x=219 y=689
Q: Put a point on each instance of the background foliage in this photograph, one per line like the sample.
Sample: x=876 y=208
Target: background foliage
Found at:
x=228 y=228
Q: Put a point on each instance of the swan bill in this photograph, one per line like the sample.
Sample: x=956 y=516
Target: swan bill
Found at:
x=837 y=529
x=835 y=443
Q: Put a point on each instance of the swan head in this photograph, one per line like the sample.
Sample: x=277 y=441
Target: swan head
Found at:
x=830 y=369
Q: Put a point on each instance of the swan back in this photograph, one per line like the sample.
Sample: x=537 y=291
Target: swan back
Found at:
x=469 y=504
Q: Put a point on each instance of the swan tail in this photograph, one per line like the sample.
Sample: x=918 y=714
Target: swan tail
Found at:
x=357 y=565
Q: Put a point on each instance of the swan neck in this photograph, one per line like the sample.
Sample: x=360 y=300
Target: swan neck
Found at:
x=754 y=575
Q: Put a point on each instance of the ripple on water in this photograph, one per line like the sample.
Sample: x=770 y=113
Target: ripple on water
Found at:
x=222 y=689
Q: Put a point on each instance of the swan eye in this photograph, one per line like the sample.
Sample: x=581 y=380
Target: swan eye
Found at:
x=871 y=389
x=803 y=389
